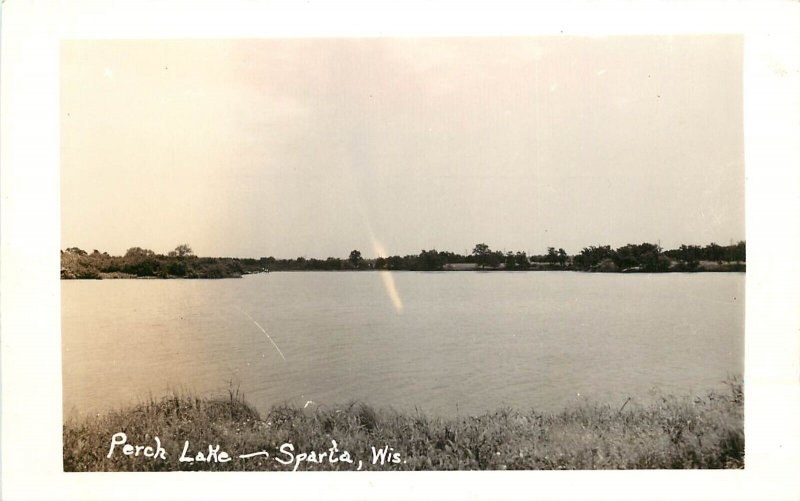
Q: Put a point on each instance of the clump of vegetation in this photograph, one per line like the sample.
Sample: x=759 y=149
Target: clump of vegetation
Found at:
x=673 y=432
x=144 y=263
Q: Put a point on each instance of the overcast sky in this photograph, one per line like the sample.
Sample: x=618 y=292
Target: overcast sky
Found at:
x=313 y=148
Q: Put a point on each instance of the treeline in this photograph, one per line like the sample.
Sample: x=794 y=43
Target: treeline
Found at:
x=649 y=257
x=644 y=257
x=182 y=263
x=144 y=263
x=693 y=254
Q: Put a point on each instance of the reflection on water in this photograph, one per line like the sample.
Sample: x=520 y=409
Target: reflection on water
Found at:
x=463 y=340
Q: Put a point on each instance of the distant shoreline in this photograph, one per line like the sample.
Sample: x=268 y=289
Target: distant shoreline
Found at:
x=123 y=276
x=182 y=263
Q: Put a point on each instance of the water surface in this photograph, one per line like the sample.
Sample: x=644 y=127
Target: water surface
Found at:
x=465 y=342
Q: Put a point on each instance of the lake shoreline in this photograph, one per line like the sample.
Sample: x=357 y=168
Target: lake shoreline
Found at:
x=632 y=258
x=685 y=432
x=125 y=276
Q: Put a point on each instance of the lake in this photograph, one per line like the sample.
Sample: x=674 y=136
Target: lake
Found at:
x=463 y=342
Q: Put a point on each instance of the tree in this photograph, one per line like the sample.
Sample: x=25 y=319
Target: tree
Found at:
x=644 y=256
x=430 y=260
x=183 y=250
x=592 y=256
x=395 y=263
x=139 y=252
x=552 y=255
x=562 y=257
x=713 y=252
x=522 y=261
x=355 y=258
x=482 y=254
x=511 y=262
x=494 y=259
x=738 y=252
x=333 y=263
x=140 y=262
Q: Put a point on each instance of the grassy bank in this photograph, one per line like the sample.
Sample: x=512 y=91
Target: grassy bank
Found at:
x=673 y=432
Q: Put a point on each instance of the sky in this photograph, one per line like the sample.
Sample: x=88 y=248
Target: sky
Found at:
x=316 y=147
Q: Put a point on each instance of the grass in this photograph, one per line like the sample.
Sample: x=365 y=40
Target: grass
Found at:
x=673 y=432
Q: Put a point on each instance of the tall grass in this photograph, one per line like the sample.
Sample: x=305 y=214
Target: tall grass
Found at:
x=673 y=432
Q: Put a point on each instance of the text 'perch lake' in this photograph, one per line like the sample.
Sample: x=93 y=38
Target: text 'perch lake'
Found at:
x=286 y=454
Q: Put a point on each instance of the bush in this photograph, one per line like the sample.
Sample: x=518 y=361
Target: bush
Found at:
x=177 y=268
x=142 y=268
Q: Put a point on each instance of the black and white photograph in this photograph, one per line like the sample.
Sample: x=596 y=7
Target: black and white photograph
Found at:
x=423 y=254
x=380 y=252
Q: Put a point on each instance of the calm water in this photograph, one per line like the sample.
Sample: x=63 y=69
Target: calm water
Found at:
x=464 y=342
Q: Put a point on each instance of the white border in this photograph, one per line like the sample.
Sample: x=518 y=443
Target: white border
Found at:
x=29 y=228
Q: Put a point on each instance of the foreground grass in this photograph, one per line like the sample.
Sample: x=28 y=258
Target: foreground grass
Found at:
x=673 y=432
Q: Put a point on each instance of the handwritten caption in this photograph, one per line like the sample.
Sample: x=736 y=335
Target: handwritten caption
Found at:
x=286 y=454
